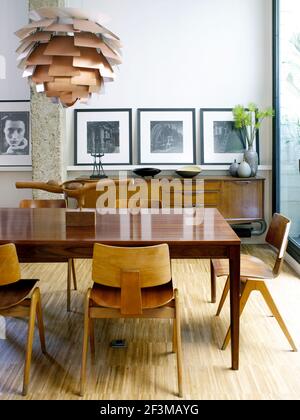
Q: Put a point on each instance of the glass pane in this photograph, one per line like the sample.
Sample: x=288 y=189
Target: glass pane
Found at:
x=290 y=113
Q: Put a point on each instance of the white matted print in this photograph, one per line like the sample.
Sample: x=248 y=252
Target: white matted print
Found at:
x=221 y=143
x=15 y=143
x=103 y=131
x=167 y=136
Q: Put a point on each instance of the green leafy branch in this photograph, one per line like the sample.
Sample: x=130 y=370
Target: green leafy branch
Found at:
x=249 y=120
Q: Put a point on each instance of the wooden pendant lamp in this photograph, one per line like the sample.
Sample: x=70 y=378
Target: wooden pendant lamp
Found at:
x=67 y=54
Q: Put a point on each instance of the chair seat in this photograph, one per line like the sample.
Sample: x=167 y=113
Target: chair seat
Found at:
x=152 y=297
x=251 y=268
x=14 y=294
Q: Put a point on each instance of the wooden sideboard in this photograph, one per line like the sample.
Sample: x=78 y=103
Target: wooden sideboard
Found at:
x=238 y=200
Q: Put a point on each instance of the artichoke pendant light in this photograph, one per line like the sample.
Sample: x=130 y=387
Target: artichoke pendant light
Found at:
x=67 y=54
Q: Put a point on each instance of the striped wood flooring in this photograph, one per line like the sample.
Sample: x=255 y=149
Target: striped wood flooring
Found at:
x=146 y=369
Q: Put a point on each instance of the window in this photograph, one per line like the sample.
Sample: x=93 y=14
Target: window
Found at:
x=287 y=122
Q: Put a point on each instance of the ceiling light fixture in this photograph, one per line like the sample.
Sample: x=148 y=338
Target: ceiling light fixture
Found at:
x=67 y=54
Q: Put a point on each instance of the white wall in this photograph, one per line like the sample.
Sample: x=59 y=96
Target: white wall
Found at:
x=191 y=53
x=14 y=15
x=9 y=196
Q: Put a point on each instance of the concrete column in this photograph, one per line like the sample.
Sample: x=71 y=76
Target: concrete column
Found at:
x=48 y=128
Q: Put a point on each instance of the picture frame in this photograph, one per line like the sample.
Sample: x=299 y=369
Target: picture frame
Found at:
x=167 y=136
x=220 y=143
x=15 y=134
x=108 y=131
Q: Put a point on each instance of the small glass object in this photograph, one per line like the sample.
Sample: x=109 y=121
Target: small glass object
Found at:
x=97 y=154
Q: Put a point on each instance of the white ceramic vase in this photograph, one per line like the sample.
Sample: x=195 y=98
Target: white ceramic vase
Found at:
x=251 y=157
x=244 y=170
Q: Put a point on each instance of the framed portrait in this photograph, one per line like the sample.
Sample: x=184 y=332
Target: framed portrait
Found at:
x=15 y=142
x=105 y=131
x=167 y=136
x=221 y=142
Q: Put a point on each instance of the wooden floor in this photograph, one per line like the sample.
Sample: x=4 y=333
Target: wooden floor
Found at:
x=147 y=369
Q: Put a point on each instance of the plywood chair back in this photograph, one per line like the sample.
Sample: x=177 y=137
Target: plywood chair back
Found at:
x=9 y=265
x=43 y=204
x=131 y=270
x=277 y=237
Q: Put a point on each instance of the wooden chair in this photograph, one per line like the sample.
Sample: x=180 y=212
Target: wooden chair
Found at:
x=14 y=301
x=254 y=271
x=57 y=204
x=131 y=283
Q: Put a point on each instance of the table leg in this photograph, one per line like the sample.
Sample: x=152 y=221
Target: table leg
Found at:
x=235 y=284
x=213 y=282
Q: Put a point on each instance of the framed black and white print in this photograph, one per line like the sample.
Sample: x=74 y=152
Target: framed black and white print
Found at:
x=221 y=143
x=15 y=143
x=104 y=131
x=167 y=136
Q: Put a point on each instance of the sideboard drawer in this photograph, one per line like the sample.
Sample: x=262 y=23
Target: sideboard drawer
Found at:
x=212 y=199
x=212 y=185
x=243 y=199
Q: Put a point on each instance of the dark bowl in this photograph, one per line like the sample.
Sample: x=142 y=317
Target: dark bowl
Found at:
x=144 y=172
x=188 y=174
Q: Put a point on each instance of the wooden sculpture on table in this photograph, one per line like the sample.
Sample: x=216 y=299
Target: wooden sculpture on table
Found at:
x=71 y=189
x=76 y=189
x=67 y=54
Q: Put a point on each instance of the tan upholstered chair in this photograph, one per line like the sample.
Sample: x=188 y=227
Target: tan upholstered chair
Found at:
x=254 y=271
x=15 y=301
x=55 y=204
x=131 y=283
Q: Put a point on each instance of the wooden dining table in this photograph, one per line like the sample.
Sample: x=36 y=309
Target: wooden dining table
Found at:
x=41 y=235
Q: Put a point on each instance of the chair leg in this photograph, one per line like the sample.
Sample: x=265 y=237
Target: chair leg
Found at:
x=249 y=287
x=85 y=342
x=69 y=281
x=39 y=314
x=174 y=347
x=213 y=282
x=74 y=274
x=92 y=336
x=273 y=308
x=30 y=336
x=179 y=348
x=224 y=296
